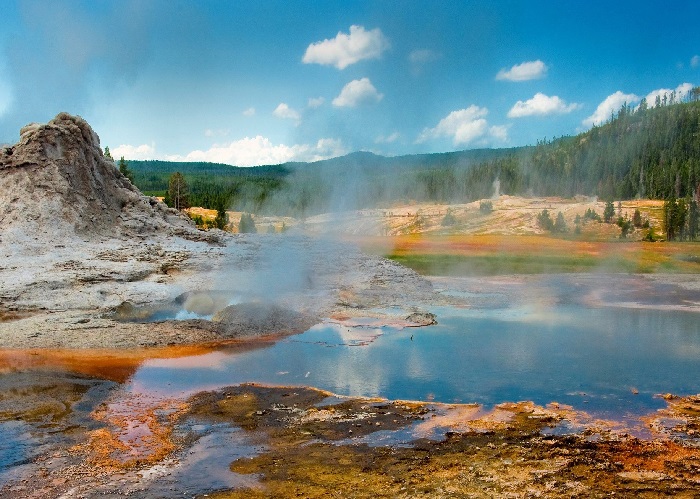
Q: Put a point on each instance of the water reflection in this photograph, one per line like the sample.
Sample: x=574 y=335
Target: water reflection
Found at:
x=608 y=362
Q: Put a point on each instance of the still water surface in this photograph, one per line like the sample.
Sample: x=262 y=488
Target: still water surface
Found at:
x=609 y=362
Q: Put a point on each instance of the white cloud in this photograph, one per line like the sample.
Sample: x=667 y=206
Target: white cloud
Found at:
x=695 y=61
x=610 y=105
x=221 y=132
x=681 y=91
x=531 y=70
x=142 y=152
x=285 y=112
x=315 y=102
x=347 y=49
x=541 y=105
x=499 y=132
x=684 y=89
x=465 y=126
x=259 y=150
x=422 y=56
x=388 y=139
x=249 y=112
x=357 y=92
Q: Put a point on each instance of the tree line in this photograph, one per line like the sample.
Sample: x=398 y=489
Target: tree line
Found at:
x=648 y=151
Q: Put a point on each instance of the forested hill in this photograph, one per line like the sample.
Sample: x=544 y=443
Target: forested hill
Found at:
x=279 y=187
x=647 y=151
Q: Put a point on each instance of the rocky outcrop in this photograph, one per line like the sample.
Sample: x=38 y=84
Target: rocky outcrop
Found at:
x=55 y=183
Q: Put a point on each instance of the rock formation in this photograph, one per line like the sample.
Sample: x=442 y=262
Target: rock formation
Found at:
x=55 y=183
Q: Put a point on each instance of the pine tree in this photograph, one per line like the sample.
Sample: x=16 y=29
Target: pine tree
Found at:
x=124 y=169
x=609 y=212
x=178 y=192
x=559 y=224
x=637 y=218
x=545 y=221
x=221 y=220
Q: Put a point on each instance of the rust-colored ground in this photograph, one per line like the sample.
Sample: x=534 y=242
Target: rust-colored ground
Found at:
x=506 y=456
x=503 y=254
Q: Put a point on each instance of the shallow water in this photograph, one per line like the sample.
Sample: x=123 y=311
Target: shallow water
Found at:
x=16 y=447
x=603 y=346
x=609 y=362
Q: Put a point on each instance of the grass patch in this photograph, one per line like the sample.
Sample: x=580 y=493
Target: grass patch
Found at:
x=484 y=255
x=484 y=265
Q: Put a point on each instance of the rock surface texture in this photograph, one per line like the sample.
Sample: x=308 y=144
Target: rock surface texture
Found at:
x=78 y=241
x=55 y=183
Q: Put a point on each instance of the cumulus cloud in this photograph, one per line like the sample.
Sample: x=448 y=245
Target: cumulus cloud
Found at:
x=346 y=49
x=285 y=112
x=465 y=126
x=681 y=91
x=249 y=112
x=388 y=139
x=142 y=152
x=541 y=105
x=357 y=92
x=610 y=105
x=315 y=102
x=531 y=70
x=695 y=61
x=259 y=150
x=499 y=132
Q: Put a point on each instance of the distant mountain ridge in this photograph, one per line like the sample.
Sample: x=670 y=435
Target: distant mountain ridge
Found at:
x=648 y=152
x=357 y=158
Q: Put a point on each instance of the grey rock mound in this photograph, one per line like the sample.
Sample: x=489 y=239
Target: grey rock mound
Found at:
x=257 y=319
x=55 y=183
x=422 y=318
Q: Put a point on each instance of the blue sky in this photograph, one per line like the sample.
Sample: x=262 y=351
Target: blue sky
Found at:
x=255 y=82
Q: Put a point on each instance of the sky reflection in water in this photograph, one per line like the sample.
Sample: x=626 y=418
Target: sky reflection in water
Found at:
x=591 y=358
